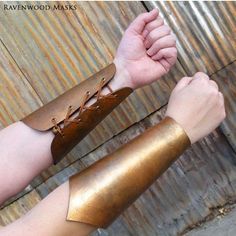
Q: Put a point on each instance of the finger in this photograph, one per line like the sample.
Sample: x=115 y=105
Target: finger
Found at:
x=201 y=75
x=221 y=98
x=184 y=82
x=156 y=34
x=213 y=84
x=152 y=25
x=164 y=42
x=139 y=23
x=165 y=64
x=166 y=53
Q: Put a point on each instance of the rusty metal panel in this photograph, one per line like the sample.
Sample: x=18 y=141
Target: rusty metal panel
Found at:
x=17 y=97
x=57 y=50
x=203 y=178
x=206 y=32
x=19 y=208
x=226 y=79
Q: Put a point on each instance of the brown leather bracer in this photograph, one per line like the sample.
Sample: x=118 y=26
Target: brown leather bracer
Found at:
x=68 y=116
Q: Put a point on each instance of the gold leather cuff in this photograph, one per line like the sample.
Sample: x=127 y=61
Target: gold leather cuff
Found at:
x=69 y=118
x=101 y=192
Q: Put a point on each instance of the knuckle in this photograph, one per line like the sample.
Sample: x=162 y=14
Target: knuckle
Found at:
x=167 y=29
x=174 y=52
x=151 y=35
x=201 y=75
x=173 y=41
x=213 y=92
x=214 y=84
x=142 y=15
x=201 y=81
x=222 y=114
x=182 y=80
x=160 y=20
x=174 y=38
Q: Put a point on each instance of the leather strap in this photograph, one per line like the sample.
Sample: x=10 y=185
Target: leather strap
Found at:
x=69 y=118
x=79 y=127
x=100 y=193
x=41 y=119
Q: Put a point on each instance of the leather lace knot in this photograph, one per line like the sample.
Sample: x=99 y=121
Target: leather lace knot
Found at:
x=58 y=129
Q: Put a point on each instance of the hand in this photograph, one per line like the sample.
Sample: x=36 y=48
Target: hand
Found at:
x=146 y=52
x=197 y=105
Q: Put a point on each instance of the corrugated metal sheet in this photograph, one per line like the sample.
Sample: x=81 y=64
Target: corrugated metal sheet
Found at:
x=226 y=79
x=82 y=42
x=203 y=178
x=206 y=32
x=55 y=51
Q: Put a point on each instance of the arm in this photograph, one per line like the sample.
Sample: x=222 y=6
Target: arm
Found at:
x=146 y=52
x=195 y=108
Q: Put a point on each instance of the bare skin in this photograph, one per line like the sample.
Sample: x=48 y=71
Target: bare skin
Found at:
x=195 y=103
x=26 y=152
x=147 y=52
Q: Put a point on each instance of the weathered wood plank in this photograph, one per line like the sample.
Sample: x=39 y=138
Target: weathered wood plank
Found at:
x=19 y=208
x=58 y=49
x=204 y=177
x=17 y=97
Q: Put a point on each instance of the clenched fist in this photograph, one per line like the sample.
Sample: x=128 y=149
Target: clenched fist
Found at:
x=146 y=52
x=197 y=105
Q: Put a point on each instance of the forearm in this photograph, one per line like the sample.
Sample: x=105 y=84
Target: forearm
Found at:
x=134 y=69
x=48 y=218
x=100 y=193
x=29 y=147
x=24 y=154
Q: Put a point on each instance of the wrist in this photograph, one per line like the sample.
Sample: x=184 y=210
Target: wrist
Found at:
x=122 y=77
x=184 y=126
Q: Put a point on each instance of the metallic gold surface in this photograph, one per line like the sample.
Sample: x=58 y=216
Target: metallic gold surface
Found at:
x=100 y=193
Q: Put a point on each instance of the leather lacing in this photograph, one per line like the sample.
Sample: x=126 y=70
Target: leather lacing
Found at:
x=57 y=129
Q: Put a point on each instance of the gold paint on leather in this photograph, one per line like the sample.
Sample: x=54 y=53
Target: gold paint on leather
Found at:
x=104 y=190
x=41 y=119
x=74 y=132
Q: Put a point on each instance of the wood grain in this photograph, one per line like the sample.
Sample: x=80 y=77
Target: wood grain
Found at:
x=203 y=178
x=19 y=208
x=17 y=97
x=45 y=53
x=58 y=49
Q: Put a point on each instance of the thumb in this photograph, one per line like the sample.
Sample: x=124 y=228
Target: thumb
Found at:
x=139 y=23
x=184 y=82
